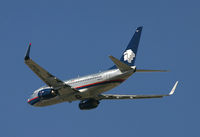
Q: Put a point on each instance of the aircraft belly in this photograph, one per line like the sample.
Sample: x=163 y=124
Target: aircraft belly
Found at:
x=56 y=100
x=48 y=102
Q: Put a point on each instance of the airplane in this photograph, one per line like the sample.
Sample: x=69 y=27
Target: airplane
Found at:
x=89 y=89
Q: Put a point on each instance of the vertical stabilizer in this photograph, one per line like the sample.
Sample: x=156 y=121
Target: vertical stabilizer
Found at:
x=129 y=55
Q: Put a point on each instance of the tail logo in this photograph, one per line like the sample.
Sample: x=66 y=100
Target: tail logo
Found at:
x=129 y=55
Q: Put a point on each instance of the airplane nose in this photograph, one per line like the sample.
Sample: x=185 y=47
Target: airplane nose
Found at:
x=33 y=101
x=29 y=102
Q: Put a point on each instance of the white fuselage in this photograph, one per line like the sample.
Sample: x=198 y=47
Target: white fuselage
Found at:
x=88 y=86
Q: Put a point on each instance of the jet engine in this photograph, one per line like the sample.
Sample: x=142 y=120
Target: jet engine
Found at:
x=47 y=93
x=88 y=104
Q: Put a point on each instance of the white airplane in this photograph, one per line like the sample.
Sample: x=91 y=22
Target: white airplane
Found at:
x=88 y=89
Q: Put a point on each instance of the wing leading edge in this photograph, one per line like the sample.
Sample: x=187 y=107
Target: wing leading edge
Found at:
x=45 y=76
x=113 y=96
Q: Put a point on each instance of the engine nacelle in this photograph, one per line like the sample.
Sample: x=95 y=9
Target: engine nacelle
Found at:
x=46 y=93
x=88 y=104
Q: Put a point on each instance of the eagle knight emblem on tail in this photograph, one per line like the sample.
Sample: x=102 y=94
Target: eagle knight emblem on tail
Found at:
x=129 y=55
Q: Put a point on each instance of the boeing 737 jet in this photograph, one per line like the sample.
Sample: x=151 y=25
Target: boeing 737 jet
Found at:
x=89 y=89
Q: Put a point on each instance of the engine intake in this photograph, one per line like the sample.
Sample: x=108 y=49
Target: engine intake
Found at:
x=46 y=93
x=88 y=104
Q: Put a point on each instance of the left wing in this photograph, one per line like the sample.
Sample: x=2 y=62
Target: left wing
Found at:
x=48 y=78
x=111 y=96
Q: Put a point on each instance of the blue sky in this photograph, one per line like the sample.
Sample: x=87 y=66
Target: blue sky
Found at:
x=74 y=37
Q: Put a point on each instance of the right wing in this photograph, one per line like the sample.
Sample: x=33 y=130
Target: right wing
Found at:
x=48 y=78
x=112 y=96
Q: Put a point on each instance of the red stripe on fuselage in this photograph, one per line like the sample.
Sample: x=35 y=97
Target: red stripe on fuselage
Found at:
x=32 y=99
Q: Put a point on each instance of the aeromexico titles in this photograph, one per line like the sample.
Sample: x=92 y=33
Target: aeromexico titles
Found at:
x=89 y=89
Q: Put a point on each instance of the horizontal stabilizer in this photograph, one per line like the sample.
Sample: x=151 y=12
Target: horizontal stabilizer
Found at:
x=120 y=65
x=149 y=70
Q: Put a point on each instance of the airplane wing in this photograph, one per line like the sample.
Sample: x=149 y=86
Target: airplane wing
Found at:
x=112 y=96
x=48 y=78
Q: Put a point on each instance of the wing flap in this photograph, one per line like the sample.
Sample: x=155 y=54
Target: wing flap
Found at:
x=110 y=96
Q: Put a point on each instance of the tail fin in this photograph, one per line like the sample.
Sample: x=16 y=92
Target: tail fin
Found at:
x=129 y=55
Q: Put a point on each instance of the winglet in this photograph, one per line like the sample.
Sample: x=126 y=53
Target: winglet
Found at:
x=27 y=57
x=173 y=89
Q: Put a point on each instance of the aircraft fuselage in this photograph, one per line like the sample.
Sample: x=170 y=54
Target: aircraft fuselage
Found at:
x=88 y=87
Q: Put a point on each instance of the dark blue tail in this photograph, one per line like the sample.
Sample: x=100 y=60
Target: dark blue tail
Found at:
x=129 y=55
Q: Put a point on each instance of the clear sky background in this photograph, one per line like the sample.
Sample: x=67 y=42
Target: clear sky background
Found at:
x=75 y=37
